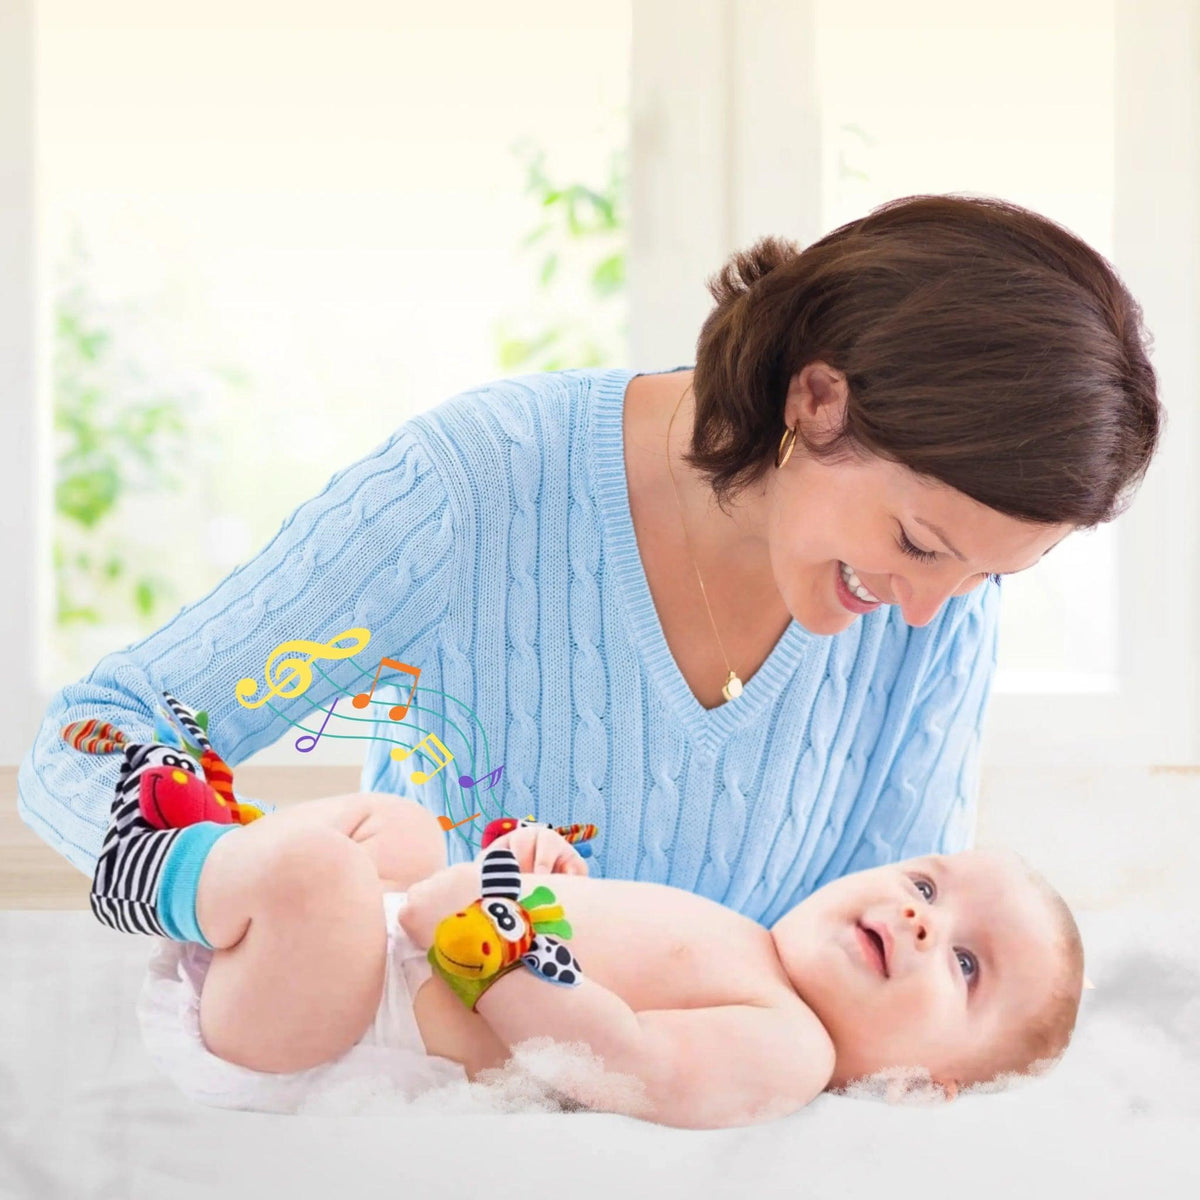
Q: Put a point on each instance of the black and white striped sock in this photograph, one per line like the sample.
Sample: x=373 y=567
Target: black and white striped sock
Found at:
x=125 y=884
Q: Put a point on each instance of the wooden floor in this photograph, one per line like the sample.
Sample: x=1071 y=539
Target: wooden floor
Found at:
x=34 y=876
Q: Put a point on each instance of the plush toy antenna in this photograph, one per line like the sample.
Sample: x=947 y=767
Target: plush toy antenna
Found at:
x=216 y=770
x=94 y=737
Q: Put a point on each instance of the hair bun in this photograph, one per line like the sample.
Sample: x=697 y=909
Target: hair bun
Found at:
x=746 y=267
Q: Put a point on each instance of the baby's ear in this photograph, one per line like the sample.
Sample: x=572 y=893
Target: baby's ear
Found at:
x=949 y=1088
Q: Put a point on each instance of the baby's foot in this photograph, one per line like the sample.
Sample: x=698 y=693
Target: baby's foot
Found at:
x=124 y=891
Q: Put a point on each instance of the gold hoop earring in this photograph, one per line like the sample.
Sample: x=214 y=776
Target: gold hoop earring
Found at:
x=782 y=455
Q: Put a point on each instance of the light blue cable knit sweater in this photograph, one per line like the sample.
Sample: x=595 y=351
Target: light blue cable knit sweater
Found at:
x=489 y=542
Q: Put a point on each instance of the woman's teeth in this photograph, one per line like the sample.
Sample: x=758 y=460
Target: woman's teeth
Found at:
x=855 y=585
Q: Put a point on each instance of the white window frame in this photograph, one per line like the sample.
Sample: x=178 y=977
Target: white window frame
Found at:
x=23 y=488
x=726 y=146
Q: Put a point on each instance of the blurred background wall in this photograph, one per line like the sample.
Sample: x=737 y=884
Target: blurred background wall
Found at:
x=240 y=242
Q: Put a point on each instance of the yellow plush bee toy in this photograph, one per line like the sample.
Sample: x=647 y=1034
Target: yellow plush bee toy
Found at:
x=498 y=932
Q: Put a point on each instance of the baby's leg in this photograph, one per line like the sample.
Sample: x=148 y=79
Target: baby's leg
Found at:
x=403 y=839
x=291 y=904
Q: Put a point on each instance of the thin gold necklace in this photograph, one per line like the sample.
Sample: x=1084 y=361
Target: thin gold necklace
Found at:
x=733 y=685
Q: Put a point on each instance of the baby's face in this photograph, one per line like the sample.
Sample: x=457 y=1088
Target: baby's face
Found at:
x=935 y=962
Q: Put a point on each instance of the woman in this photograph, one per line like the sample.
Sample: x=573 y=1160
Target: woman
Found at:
x=741 y=616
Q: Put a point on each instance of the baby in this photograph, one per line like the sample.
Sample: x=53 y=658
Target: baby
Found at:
x=965 y=965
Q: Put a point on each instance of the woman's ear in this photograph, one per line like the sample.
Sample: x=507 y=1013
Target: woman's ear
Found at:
x=817 y=399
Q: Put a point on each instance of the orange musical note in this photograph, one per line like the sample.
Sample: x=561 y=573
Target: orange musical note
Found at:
x=399 y=753
x=399 y=711
x=446 y=824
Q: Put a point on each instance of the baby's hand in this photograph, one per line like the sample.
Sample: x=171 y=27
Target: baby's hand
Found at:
x=539 y=850
x=437 y=896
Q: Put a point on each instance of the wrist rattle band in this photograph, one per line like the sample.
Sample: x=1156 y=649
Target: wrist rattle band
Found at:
x=580 y=836
x=499 y=933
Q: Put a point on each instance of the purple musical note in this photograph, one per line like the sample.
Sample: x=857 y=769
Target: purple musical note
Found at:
x=309 y=737
x=467 y=782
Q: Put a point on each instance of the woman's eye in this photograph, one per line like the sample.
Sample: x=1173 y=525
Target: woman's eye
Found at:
x=925 y=888
x=913 y=551
x=968 y=962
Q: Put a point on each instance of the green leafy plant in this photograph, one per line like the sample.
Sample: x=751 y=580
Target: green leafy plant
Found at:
x=110 y=442
x=579 y=243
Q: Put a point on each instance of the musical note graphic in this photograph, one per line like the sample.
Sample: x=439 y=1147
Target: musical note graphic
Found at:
x=399 y=753
x=297 y=671
x=447 y=825
x=309 y=737
x=467 y=782
x=398 y=711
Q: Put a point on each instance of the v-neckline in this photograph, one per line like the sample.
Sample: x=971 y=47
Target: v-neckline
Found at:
x=707 y=726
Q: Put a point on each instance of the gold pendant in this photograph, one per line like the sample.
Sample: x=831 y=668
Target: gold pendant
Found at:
x=733 y=687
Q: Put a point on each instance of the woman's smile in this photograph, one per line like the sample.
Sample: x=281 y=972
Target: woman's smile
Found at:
x=848 y=598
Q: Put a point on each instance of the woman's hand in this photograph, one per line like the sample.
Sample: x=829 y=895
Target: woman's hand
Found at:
x=539 y=850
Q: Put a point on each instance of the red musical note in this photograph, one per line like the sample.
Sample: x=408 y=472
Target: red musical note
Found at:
x=399 y=711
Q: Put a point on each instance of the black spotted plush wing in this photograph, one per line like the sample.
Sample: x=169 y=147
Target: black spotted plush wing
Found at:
x=549 y=957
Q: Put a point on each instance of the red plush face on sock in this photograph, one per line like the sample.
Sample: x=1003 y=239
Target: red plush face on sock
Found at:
x=173 y=794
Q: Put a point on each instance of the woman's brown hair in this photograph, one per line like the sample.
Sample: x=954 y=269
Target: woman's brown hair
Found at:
x=983 y=346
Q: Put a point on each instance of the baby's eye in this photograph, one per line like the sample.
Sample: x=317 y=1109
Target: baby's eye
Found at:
x=926 y=888
x=968 y=962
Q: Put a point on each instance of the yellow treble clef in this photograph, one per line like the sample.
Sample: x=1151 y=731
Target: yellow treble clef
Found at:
x=292 y=676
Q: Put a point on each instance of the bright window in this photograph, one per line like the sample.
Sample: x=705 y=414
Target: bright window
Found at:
x=993 y=113
x=269 y=234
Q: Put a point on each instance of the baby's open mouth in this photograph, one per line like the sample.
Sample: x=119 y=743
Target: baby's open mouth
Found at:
x=873 y=948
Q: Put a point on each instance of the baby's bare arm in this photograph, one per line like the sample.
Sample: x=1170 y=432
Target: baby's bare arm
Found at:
x=434 y=897
x=701 y=1068
x=536 y=849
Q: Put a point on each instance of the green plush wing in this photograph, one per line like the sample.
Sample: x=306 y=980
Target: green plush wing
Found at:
x=543 y=897
x=538 y=898
x=562 y=928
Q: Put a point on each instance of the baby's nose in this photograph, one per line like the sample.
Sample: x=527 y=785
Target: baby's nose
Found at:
x=920 y=928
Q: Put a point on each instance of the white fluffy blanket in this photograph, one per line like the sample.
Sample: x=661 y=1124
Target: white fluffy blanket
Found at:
x=83 y=1113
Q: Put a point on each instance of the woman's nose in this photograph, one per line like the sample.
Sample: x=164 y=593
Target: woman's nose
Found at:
x=919 y=605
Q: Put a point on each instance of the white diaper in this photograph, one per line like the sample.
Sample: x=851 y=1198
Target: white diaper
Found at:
x=389 y=1060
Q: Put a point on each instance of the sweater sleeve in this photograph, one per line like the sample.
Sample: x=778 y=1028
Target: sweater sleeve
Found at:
x=375 y=549
x=927 y=802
